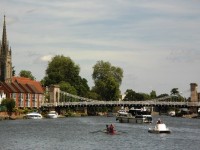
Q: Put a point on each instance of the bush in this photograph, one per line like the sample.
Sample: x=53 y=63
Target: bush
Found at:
x=9 y=104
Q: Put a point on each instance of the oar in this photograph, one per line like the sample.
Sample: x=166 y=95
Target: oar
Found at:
x=122 y=131
x=98 y=131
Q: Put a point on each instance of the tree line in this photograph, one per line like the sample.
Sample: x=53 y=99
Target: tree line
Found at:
x=107 y=78
x=131 y=95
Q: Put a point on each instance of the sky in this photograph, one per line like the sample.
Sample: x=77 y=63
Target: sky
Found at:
x=155 y=42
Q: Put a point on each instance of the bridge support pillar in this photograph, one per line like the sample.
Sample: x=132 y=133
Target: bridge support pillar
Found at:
x=85 y=110
x=152 y=109
x=193 y=109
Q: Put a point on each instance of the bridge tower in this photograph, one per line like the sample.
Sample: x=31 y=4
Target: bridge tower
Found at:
x=54 y=93
x=194 y=94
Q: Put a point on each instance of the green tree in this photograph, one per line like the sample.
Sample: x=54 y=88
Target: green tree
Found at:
x=65 y=86
x=176 y=95
x=130 y=95
x=81 y=86
x=162 y=95
x=26 y=74
x=153 y=94
x=9 y=104
x=63 y=69
x=145 y=96
x=107 y=80
x=175 y=91
x=93 y=95
x=133 y=96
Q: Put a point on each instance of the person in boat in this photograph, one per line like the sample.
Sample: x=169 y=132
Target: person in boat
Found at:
x=107 y=128
x=111 y=128
x=159 y=121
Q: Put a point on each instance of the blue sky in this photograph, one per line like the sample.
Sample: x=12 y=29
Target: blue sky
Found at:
x=155 y=42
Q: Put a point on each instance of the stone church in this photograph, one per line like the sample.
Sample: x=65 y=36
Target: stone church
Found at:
x=5 y=56
x=27 y=93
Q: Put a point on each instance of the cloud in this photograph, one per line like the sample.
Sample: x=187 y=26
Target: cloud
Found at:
x=150 y=40
x=185 y=56
x=46 y=58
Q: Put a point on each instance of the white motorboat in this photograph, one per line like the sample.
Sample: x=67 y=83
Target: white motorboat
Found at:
x=33 y=115
x=129 y=118
x=122 y=111
x=143 y=118
x=172 y=113
x=52 y=114
x=159 y=128
x=134 y=116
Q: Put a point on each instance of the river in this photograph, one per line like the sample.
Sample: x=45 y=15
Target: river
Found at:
x=84 y=133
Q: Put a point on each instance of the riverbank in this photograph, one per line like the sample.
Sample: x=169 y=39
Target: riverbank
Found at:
x=15 y=116
x=190 y=116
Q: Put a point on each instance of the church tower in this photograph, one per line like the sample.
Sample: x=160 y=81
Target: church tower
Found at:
x=5 y=56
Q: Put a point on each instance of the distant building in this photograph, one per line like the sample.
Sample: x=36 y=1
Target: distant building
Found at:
x=27 y=93
x=5 y=56
x=195 y=96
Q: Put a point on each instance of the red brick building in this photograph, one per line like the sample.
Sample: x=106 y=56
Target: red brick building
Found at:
x=27 y=93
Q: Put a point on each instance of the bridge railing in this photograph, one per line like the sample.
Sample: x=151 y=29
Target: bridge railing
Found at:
x=107 y=103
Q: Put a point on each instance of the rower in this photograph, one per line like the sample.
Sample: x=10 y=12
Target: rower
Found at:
x=111 y=128
x=107 y=128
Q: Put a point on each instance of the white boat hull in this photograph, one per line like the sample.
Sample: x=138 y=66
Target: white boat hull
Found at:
x=34 y=115
x=126 y=120
x=159 y=128
x=52 y=115
x=123 y=119
x=157 y=131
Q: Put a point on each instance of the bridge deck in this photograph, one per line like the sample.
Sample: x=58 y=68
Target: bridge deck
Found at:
x=121 y=103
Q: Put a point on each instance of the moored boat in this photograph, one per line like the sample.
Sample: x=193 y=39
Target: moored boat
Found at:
x=172 y=113
x=143 y=119
x=134 y=116
x=52 y=114
x=33 y=115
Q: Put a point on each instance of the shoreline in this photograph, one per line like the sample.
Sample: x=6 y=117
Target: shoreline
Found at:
x=18 y=117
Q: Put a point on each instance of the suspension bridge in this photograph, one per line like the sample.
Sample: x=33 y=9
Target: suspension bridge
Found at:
x=63 y=99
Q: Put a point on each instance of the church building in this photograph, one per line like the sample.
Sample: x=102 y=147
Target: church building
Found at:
x=27 y=93
x=5 y=56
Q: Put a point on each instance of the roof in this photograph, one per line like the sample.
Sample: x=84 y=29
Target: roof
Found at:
x=36 y=85
x=22 y=85
x=8 y=87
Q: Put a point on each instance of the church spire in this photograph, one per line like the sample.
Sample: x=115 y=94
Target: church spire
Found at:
x=4 y=36
x=5 y=56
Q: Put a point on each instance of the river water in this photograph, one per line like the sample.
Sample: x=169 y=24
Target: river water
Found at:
x=84 y=133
